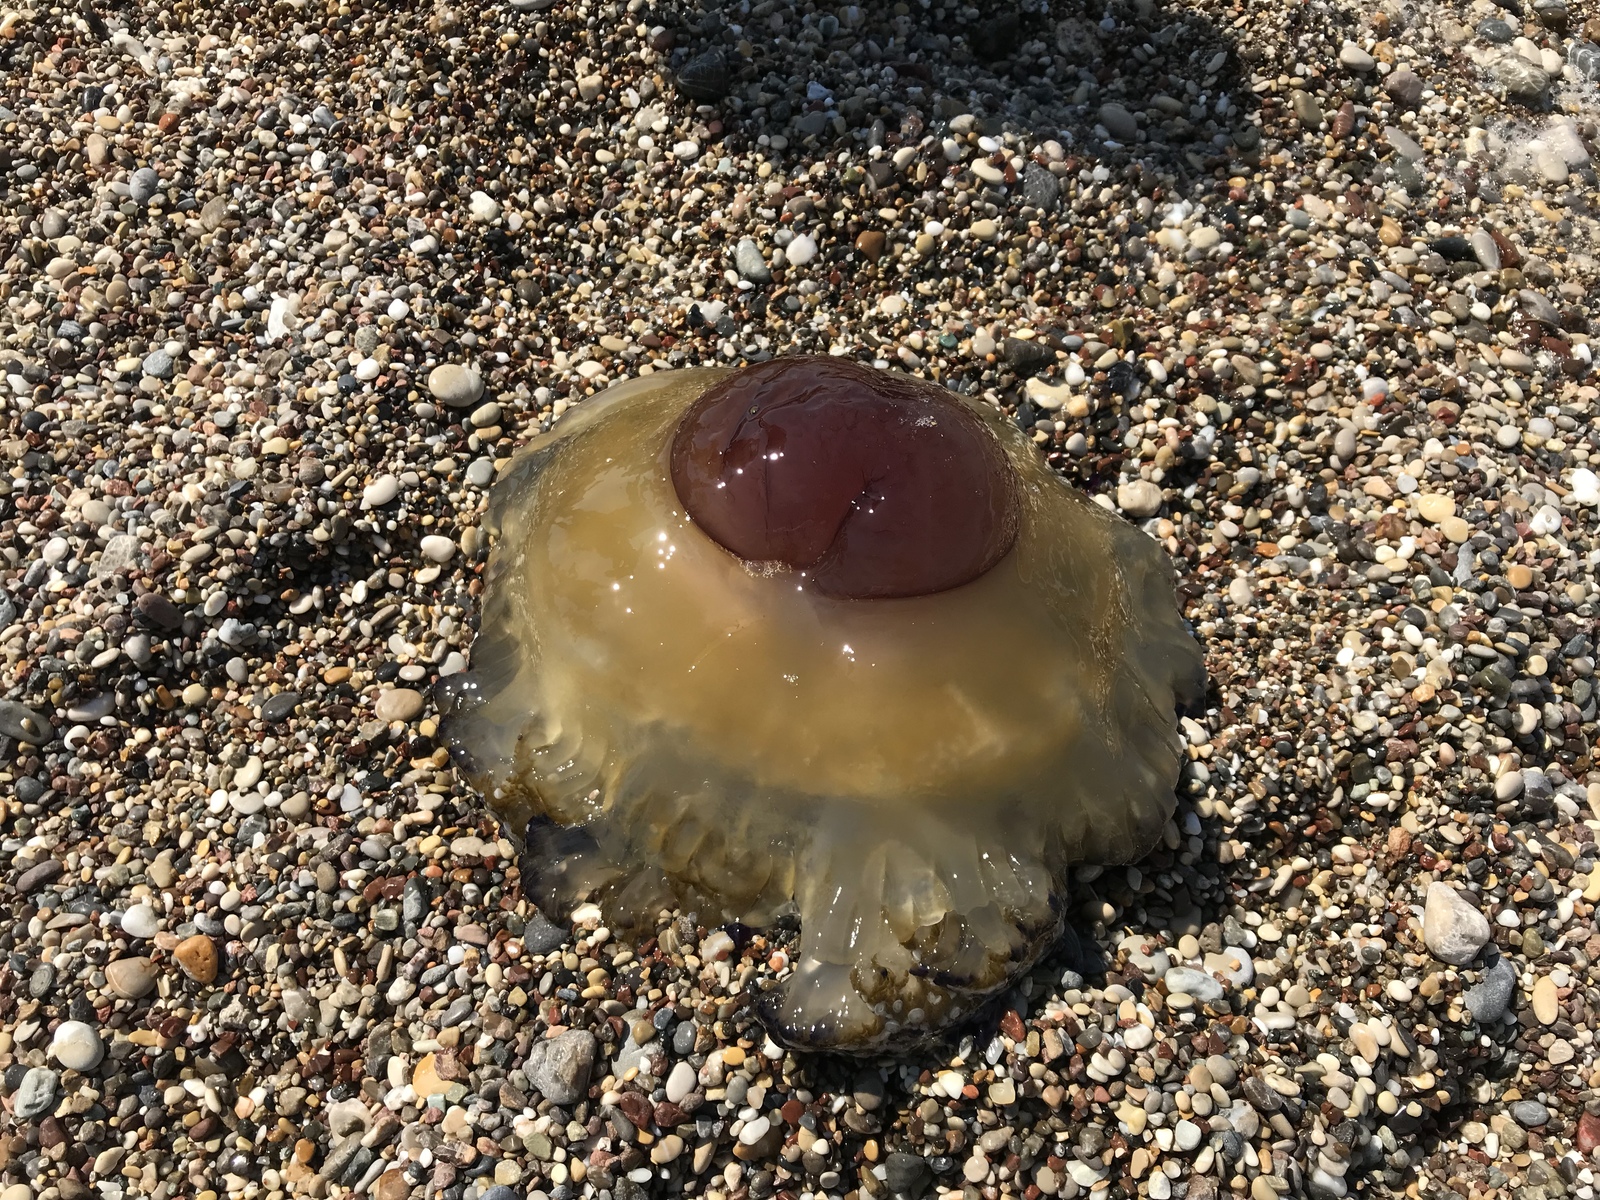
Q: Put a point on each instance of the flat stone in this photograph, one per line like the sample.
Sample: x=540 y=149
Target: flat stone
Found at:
x=1546 y=1005
x=455 y=386
x=37 y=876
x=398 y=704
x=21 y=722
x=36 y=1094
x=280 y=707
x=131 y=978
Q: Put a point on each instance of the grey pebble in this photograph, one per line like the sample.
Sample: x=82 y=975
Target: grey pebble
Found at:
x=279 y=707
x=1489 y=998
x=1530 y=1114
x=559 y=1067
x=21 y=722
x=38 y=875
x=749 y=262
x=143 y=185
x=36 y=1095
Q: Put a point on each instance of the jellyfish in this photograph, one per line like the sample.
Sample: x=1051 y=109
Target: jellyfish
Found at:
x=810 y=639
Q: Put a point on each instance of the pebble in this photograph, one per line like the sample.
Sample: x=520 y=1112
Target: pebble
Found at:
x=197 y=956
x=131 y=978
x=1139 y=499
x=1489 y=999
x=143 y=185
x=1454 y=930
x=398 y=704
x=802 y=248
x=750 y=263
x=77 y=1046
x=140 y=921
x=1354 y=57
x=437 y=549
x=1546 y=1007
x=559 y=1068
x=380 y=491
x=37 y=1094
x=455 y=385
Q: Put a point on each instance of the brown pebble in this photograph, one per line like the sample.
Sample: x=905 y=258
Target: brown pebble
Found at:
x=197 y=956
x=871 y=242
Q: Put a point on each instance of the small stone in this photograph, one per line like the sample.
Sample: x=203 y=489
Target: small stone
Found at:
x=36 y=1094
x=131 y=978
x=1139 y=498
x=159 y=364
x=1530 y=1114
x=1194 y=983
x=800 y=250
x=1404 y=87
x=1490 y=998
x=140 y=921
x=1119 y=122
x=380 y=491
x=907 y=1175
x=398 y=704
x=1546 y=1005
x=704 y=77
x=437 y=549
x=1186 y=1135
x=22 y=723
x=455 y=386
x=77 y=1046
x=1435 y=508
x=1585 y=487
x=1453 y=930
x=482 y=208
x=143 y=185
x=750 y=264
x=870 y=243
x=197 y=956
x=559 y=1067
x=1354 y=57
x=279 y=708
x=1040 y=188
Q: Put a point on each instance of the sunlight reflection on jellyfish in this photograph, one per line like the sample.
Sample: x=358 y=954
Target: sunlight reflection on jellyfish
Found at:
x=812 y=638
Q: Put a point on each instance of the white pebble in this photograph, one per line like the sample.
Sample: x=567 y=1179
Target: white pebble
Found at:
x=140 y=921
x=380 y=491
x=77 y=1046
x=801 y=250
x=437 y=549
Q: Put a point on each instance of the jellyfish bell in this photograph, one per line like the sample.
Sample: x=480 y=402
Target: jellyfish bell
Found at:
x=809 y=638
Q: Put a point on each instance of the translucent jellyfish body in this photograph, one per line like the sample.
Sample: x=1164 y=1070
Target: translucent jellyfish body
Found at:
x=811 y=638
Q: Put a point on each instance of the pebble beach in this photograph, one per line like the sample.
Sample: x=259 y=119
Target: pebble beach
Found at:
x=1303 y=290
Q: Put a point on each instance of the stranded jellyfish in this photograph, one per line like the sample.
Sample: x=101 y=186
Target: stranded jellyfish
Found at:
x=810 y=638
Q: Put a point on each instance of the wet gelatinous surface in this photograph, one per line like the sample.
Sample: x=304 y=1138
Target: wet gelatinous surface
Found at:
x=912 y=775
x=872 y=484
